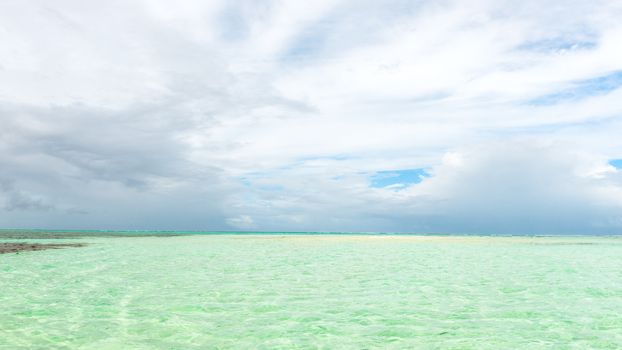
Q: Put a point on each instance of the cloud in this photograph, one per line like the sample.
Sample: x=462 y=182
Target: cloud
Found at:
x=15 y=199
x=516 y=187
x=523 y=187
x=243 y=222
x=273 y=115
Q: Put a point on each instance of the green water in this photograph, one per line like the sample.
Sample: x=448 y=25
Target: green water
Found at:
x=310 y=292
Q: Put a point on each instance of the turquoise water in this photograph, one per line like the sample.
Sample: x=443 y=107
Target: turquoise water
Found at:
x=310 y=292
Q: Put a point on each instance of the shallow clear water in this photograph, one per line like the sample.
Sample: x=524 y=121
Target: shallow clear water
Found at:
x=307 y=292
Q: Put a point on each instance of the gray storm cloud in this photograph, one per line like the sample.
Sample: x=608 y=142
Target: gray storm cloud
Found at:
x=16 y=200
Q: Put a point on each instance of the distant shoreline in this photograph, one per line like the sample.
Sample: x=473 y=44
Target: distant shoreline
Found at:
x=67 y=234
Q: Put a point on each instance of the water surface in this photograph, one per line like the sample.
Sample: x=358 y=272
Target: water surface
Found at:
x=309 y=292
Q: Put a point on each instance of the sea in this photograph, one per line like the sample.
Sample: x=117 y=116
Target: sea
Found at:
x=154 y=290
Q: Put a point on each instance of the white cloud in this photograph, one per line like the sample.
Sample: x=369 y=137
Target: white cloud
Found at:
x=525 y=187
x=243 y=222
x=518 y=187
x=126 y=112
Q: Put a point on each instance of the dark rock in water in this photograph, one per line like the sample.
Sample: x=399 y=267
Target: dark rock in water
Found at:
x=6 y=248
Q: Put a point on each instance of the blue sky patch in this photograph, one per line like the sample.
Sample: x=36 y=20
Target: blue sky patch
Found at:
x=272 y=188
x=403 y=177
x=582 y=89
x=346 y=26
x=616 y=163
x=233 y=25
x=559 y=44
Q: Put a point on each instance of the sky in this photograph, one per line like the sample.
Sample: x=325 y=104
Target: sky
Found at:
x=471 y=117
